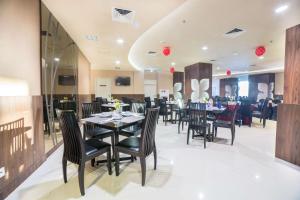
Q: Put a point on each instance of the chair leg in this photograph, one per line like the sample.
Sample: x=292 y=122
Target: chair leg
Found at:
x=64 y=164
x=204 y=137
x=117 y=162
x=232 y=134
x=188 y=136
x=182 y=125
x=179 y=126
x=166 y=119
x=143 y=167
x=81 y=177
x=264 y=123
x=93 y=162
x=155 y=156
x=109 y=161
x=216 y=131
x=113 y=143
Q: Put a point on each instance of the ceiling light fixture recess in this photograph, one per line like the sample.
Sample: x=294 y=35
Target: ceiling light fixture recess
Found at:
x=261 y=57
x=204 y=48
x=173 y=63
x=117 y=62
x=281 y=8
x=120 y=41
x=56 y=59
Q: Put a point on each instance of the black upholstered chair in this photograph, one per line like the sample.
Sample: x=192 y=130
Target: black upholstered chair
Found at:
x=198 y=122
x=230 y=123
x=140 y=146
x=92 y=130
x=148 y=102
x=164 y=110
x=262 y=112
x=79 y=151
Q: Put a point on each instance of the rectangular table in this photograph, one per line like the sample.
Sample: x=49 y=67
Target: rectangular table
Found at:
x=112 y=105
x=115 y=125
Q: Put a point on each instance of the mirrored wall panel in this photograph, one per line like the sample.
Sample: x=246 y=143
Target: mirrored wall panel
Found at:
x=59 y=76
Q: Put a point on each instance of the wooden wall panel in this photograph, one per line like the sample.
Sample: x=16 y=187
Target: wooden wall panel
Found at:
x=227 y=81
x=292 y=66
x=197 y=71
x=258 y=78
x=288 y=133
x=22 y=143
x=178 y=77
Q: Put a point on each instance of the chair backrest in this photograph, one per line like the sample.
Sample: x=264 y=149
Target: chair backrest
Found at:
x=99 y=99
x=148 y=131
x=138 y=107
x=197 y=118
x=197 y=106
x=73 y=142
x=96 y=107
x=162 y=106
x=148 y=102
x=156 y=102
x=87 y=110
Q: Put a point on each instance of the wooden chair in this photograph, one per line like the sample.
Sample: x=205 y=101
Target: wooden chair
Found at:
x=164 y=110
x=198 y=122
x=91 y=130
x=140 y=146
x=79 y=151
x=230 y=123
x=262 y=112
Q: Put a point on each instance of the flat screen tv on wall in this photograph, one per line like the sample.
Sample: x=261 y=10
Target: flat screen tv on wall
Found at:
x=122 y=81
x=66 y=80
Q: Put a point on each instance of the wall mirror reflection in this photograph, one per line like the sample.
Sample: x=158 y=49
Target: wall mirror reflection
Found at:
x=59 y=76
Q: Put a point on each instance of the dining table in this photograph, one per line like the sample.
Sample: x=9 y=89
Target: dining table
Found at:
x=113 y=105
x=115 y=121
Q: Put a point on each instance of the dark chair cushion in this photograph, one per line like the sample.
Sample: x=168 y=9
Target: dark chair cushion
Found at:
x=131 y=131
x=222 y=123
x=132 y=143
x=98 y=133
x=94 y=145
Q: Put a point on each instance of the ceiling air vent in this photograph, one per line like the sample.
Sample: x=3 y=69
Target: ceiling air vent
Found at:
x=234 y=33
x=152 y=53
x=123 y=15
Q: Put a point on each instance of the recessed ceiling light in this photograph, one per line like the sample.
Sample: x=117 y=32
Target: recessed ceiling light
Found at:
x=235 y=53
x=173 y=63
x=204 y=48
x=117 y=62
x=281 y=8
x=92 y=37
x=56 y=59
x=120 y=41
x=261 y=57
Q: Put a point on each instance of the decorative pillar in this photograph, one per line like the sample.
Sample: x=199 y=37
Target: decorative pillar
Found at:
x=288 y=126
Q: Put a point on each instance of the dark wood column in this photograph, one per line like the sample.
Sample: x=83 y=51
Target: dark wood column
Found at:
x=232 y=82
x=255 y=79
x=288 y=123
x=197 y=71
x=178 y=77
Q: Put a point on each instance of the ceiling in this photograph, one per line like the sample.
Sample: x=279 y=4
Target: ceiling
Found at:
x=90 y=25
x=185 y=26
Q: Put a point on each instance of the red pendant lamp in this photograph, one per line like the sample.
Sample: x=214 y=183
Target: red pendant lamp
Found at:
x=260 y=51
x=228 y=72
x=166 y=51
x=172 y=70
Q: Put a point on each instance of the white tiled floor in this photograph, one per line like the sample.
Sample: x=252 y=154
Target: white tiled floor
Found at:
x=247 y=170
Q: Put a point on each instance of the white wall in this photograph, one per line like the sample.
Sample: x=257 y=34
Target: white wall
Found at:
x=215 y=87
x=279 y=83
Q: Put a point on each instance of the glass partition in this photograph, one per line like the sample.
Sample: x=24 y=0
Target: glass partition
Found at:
x=59 y=75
